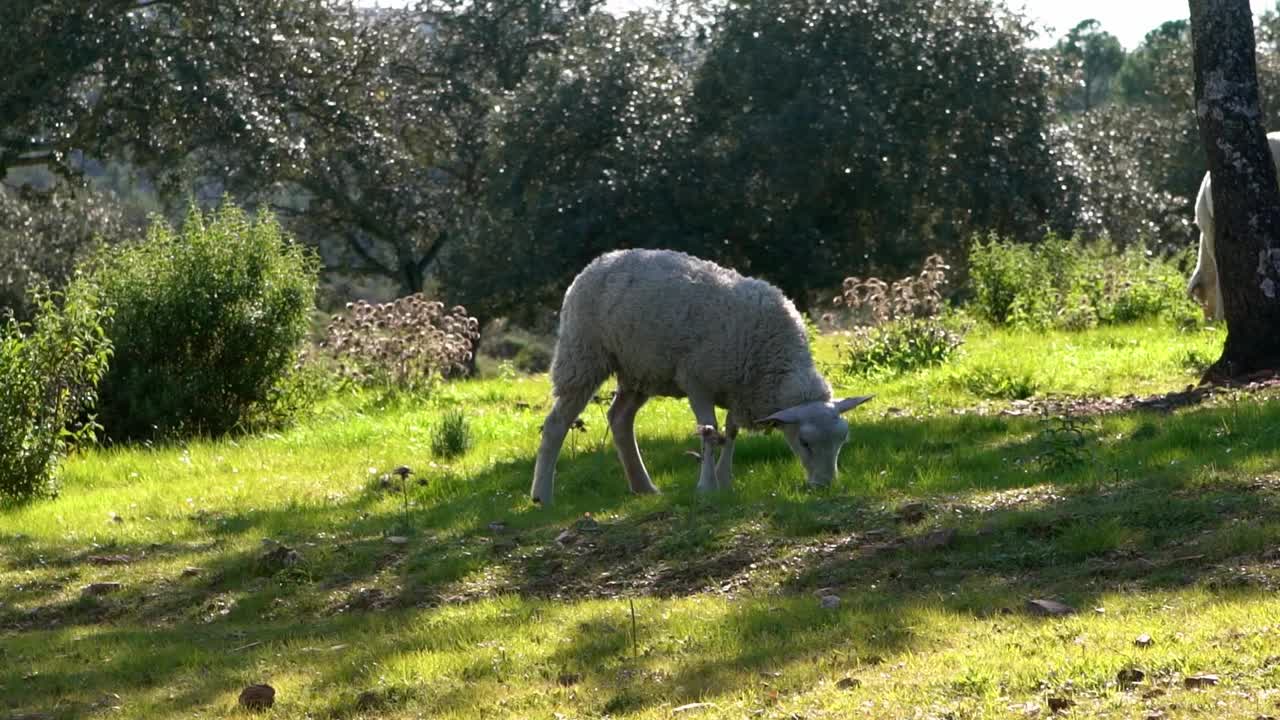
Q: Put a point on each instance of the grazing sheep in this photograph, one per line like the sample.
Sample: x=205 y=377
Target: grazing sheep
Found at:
x=672 y=325
x=1204 y=286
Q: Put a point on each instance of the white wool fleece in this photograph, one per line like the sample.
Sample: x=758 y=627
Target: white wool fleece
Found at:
x=668 y=324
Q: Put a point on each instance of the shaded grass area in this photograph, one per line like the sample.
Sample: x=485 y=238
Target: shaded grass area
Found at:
x=482 y=604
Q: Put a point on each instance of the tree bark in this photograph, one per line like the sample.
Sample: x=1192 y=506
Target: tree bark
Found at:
x=1246 y=200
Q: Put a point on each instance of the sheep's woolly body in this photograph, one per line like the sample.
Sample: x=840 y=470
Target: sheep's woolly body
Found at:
x=666 y=323
x=1205 y=283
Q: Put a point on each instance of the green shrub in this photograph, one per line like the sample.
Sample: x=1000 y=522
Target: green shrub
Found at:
x=899 y=346
x=996 y=383
x=50 y=369
x=207 y=322
x=452 y=436
x=533 y=359
x=1073 y=285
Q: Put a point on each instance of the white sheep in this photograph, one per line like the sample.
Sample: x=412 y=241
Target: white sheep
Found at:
x=669 y=324
x=1204 y=286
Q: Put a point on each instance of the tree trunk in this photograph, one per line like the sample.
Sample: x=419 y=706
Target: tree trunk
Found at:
x=1246 y=201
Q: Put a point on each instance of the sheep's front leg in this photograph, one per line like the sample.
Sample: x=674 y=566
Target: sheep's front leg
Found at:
x=705 y=411
x=724 y=467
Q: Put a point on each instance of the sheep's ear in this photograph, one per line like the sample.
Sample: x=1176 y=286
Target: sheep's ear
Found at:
x=782 y=417
x=847 y=404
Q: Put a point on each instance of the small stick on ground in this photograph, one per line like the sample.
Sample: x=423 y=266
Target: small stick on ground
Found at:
x=635 y=642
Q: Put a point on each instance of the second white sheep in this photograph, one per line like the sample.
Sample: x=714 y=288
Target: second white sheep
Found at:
x=1205 y=286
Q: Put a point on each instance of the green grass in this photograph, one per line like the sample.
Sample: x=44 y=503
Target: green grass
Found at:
x=1139 y=359
x=1165 y=526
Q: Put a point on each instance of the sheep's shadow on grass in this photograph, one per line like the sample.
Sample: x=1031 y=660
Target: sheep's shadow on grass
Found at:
x=1157 y=501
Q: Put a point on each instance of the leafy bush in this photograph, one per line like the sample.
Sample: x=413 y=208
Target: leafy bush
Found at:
x=452 y=436
x=1072 y=285
x=406 y=344
x=207 y=323
x=899 y=346
x=51 y=368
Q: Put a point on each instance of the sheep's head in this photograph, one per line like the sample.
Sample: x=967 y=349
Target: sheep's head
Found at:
x=816 y=432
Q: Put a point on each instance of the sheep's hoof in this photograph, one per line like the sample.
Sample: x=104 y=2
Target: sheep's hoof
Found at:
x=709 y=433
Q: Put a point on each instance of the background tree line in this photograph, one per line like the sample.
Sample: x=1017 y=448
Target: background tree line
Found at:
x=488 y=149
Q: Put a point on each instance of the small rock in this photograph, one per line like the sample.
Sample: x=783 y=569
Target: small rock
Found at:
x=586 y=523
x=829 y=602
x=1144 y=641
x=567 y=537
x=1060 y=704
x=101 y=588
x=369 y=700
x=848 y=683
x=912 y=512
x=1200 y=681
x=1130 y=676
x=191 y=571
x=278 y=558
x=109 y=559
x=368 y=599
x=1154 y=715
x=935 y=540
x=110 y=701
x=568 y=679
x=257 y=697
x=397 y=539
x=1048 y=608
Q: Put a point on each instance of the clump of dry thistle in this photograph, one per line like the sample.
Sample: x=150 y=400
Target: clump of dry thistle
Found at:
x=873 y=301
x=406 y=343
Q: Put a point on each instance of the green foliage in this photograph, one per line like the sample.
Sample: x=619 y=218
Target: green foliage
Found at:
x=898 y=347
x=1072 y=285
x=995 y=382
x=1064 y=444
x=44 y=234
x=1092 y=57
x=452 y=434
x=50 y=369
x=882 y=130
x=207 y=322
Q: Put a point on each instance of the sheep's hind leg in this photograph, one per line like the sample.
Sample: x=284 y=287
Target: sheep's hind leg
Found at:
x=705 y=412
x=566 y=409
x=622 y=421
x=724 y=467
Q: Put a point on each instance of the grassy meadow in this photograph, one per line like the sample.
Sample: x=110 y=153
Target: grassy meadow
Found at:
x=292 y=559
